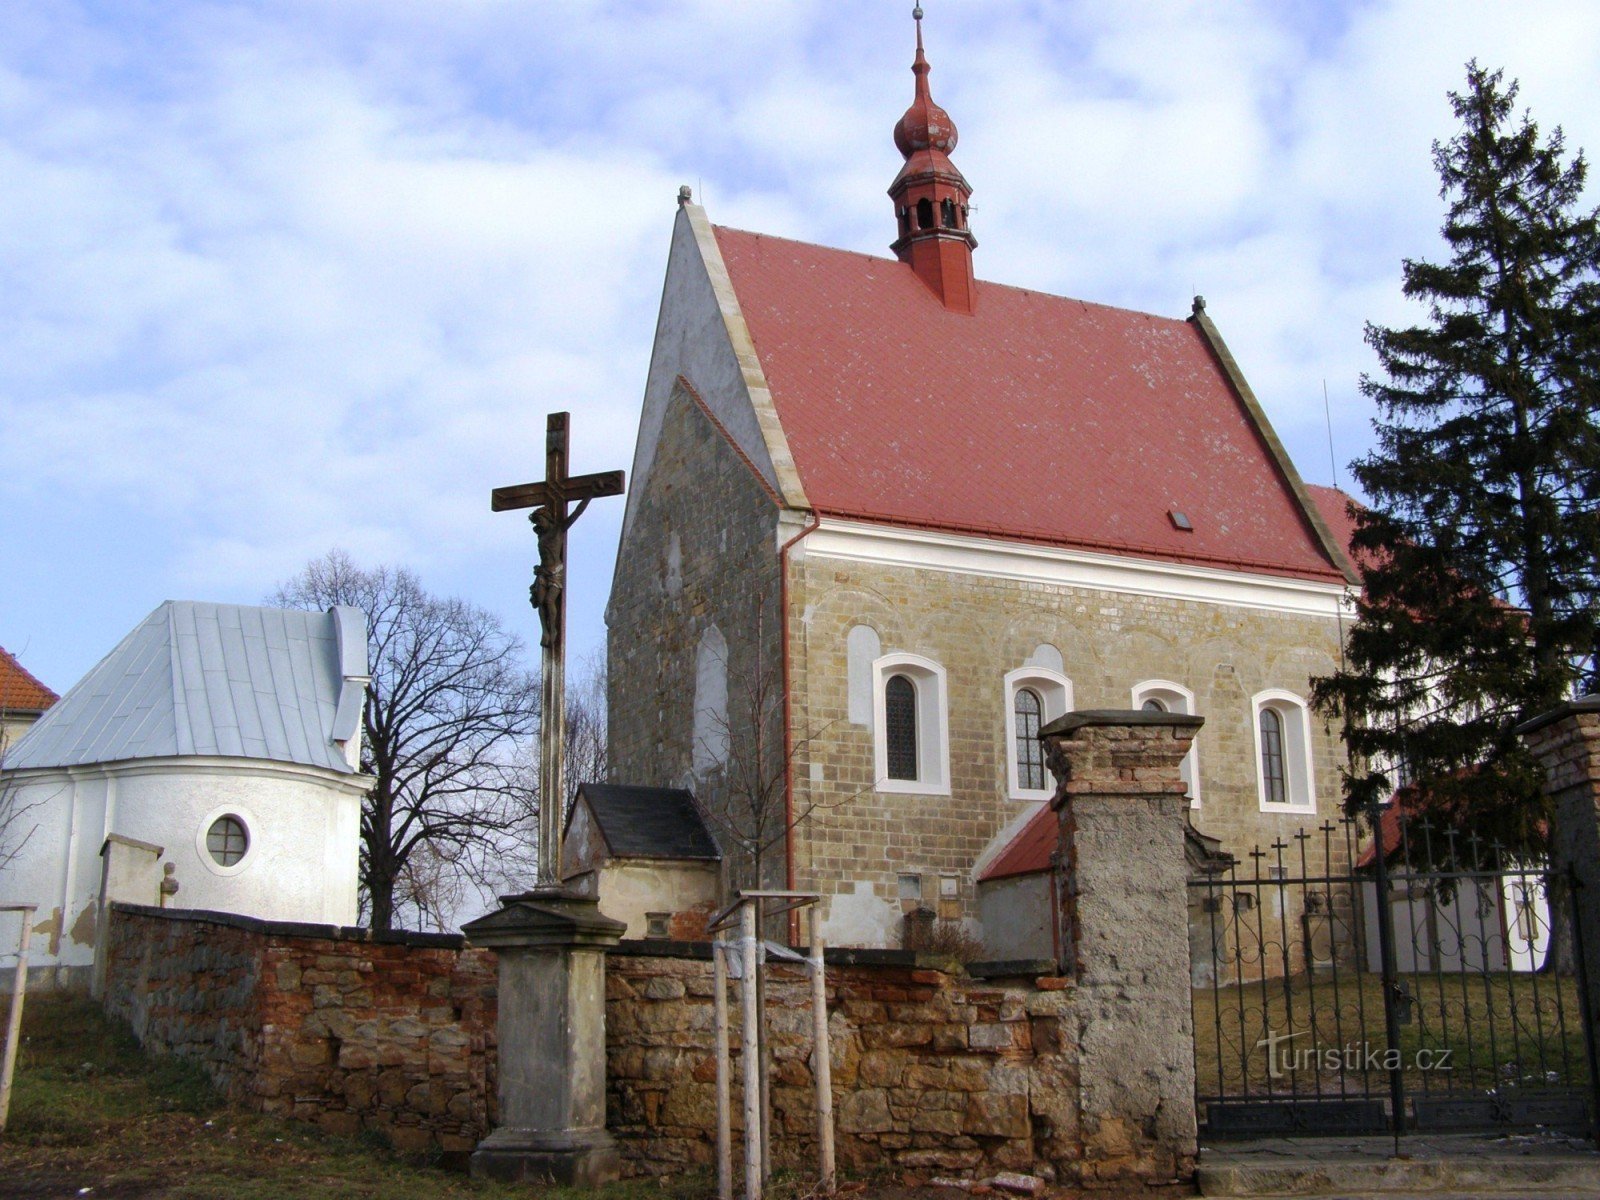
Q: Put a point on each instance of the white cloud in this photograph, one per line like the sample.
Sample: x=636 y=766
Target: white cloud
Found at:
x=289 y=277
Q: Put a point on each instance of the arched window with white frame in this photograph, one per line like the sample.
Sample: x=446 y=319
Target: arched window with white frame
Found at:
x=1282 y=725
x=1035 y=696
x=1163 y=695
x=910 y=725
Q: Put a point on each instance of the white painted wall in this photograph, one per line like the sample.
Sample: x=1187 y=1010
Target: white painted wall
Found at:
x=304 y=826
x=861 y=917
x=631 y=888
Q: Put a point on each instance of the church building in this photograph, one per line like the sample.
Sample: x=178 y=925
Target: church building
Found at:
x=888 y=519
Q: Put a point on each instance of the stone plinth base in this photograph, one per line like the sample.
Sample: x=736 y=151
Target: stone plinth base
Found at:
x=551 y=947
x=575 y=1158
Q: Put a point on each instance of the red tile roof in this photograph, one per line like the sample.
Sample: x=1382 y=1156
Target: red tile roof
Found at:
x=1036 y=418
x=19 y=690
x=1030 y=850
x=1334 y=505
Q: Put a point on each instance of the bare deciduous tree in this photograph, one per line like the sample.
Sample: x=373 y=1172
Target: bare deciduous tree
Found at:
x=586 y=727
x=18 y=810
x=449 y=705
x=747 y=796
x=17 y=822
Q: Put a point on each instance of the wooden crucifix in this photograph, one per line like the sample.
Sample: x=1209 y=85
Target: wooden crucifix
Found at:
x=548 y=595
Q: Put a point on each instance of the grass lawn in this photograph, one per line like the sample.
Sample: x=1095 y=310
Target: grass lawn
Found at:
x=92 y=1117
x=1502 y=1032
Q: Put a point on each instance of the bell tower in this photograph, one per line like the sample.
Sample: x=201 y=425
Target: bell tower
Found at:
x=930 y=196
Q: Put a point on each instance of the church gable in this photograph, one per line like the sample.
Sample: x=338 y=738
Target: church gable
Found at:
x=701 y=338
x=695 y=566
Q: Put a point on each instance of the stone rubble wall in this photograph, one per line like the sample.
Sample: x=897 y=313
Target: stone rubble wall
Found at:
x=932 y=1072
x=392 y=1034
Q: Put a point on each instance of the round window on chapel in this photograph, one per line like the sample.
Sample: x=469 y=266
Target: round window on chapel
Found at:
x=227 y=840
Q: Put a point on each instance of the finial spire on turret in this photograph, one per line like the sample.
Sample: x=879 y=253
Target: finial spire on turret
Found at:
x=930 y=195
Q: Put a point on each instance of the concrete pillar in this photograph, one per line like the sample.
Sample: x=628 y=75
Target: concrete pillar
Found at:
x=552 y=1040
x=1125 y=937
x=1566 y=742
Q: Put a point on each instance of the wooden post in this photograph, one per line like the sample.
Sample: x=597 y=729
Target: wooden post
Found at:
x=19 y=985
x=719 y=964
x=752 y=1055
x=822 y=1065
x=763 y=1044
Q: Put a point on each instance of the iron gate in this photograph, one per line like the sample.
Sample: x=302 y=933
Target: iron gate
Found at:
x=1342 y=990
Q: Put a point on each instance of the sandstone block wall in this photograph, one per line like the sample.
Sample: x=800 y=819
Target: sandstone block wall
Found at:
x=332 y=1027
x=933 y=1073
x=979 y=628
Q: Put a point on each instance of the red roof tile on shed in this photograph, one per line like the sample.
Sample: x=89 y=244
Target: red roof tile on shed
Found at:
x=1036 y=418
x=1030 y=850
x=19 y=690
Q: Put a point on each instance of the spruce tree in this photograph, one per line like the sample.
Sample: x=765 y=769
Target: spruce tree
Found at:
x=1479 y=552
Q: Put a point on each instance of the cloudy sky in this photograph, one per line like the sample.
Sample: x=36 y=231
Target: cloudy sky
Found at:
x=283 y=276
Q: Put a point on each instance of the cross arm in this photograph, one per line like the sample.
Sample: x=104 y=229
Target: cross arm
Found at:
x=579 y=487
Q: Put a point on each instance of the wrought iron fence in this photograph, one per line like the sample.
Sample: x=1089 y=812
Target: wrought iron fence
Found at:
x=1417 y=979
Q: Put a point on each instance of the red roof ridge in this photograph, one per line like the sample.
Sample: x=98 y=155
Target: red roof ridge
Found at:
x=987 y=283
x=699 y=402
x=20 y=689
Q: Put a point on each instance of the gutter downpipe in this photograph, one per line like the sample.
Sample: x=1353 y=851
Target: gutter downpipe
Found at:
x=788 y=717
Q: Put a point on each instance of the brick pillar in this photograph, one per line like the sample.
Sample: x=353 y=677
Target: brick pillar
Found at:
x=1566 y=741
x=1125 y=936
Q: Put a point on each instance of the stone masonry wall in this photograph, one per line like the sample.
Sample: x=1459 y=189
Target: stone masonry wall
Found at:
x=979 y=628
x=702 y=552
x=933 y=1073
x=1566 y=742
x=324 y=1025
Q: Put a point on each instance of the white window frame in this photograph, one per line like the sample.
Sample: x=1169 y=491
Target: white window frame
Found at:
x=1055 y=695
x=1178 y=699
x=252 y=833
x=933 y=725
x=1299 y=777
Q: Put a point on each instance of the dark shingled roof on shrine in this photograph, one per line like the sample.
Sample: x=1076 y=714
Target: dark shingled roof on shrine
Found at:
x=648 y=822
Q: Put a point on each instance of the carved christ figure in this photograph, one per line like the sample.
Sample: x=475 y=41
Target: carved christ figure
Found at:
x=550 y=576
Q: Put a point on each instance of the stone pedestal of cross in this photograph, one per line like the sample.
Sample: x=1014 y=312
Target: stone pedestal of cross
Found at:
x=551 y=942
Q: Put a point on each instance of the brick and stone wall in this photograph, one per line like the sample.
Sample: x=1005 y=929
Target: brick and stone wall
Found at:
x=393 y=1034
x=933 y=1072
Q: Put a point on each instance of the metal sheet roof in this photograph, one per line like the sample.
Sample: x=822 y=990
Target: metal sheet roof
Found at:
x=224 y=680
